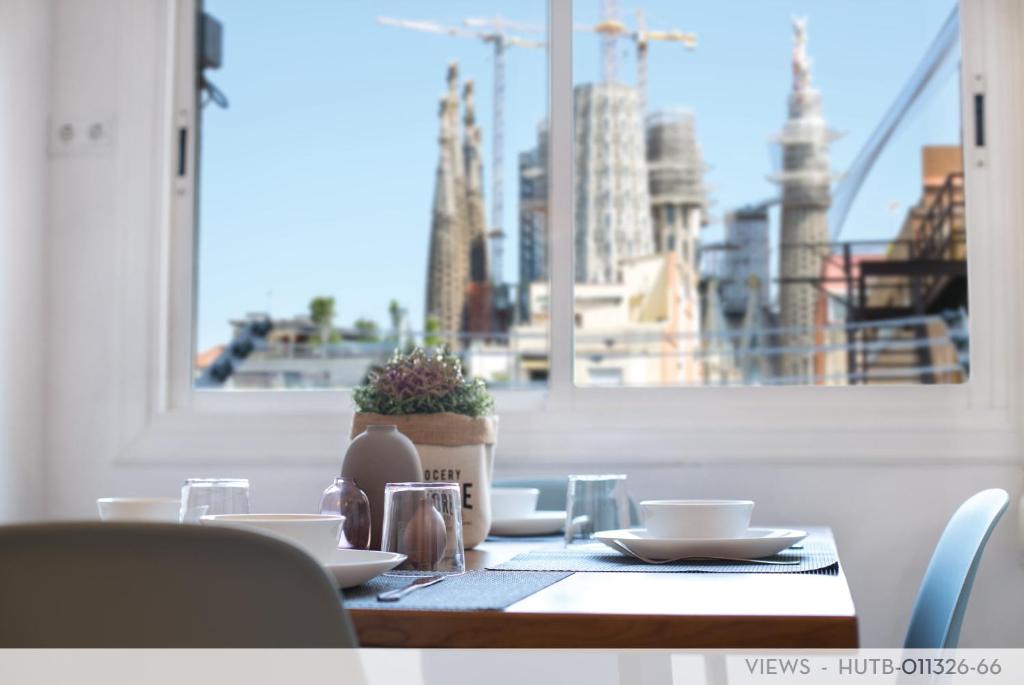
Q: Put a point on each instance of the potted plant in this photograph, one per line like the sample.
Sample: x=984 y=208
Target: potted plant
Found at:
x=449 y=419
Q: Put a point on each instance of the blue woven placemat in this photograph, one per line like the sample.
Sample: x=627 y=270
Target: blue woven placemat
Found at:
x=815 y=557
x=470 y=591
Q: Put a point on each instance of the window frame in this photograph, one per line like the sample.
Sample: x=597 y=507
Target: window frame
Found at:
x=585 y=425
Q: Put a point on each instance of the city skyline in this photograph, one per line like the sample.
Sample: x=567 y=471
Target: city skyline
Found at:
x=245 y=256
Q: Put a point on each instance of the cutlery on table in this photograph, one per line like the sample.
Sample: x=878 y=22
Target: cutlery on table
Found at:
x=771 y=562
x=395 y=595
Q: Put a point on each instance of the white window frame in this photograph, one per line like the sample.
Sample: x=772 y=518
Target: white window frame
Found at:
x=570 y=425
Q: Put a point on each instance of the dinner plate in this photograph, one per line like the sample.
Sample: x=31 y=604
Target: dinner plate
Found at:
x=351 y=567
x=756 y=543
x=537 y=523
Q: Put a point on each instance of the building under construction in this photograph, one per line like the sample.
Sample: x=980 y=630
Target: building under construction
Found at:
x=675 y=172
x=806 y=179
x=533 y=219
x=612 y=209
x=746 y=257
x=458 y=288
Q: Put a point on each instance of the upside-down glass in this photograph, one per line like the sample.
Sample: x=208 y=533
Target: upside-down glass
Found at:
x=347 y=499
x=595 y=503
x=209 y=496
x=424 y=522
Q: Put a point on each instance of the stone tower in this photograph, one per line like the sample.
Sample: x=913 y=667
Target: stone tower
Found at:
x=675 y=173
x=612 y=210
x=448 y=262
x=477 y=314
x=805 y=178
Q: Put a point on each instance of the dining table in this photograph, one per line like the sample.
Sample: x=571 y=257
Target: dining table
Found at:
x=616 y=609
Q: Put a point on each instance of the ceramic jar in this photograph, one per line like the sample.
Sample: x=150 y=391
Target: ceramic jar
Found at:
x=378 y=456
x=452 y=448
x=345 y=498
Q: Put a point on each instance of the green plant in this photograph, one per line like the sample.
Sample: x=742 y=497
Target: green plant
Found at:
x=430 y=332
x=366 y=330
x=321 y=311
x=422 y=383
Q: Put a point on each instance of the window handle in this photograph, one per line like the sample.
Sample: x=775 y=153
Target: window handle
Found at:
x=182 y=151
x=979 y=120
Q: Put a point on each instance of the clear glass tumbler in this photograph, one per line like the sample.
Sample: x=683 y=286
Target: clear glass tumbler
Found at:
x=347 y=499
x=209 y=496
x=595 y=503
x=424 y=522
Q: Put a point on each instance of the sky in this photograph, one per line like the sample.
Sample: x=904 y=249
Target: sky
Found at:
x=318 y=179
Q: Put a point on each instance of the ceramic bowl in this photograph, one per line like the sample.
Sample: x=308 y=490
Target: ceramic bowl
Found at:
x=696 y=518
x=513 y=503
x=154 y=509
x=351 y=567
x=317 y=534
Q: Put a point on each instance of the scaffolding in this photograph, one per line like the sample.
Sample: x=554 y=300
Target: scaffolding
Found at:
x=675 y=162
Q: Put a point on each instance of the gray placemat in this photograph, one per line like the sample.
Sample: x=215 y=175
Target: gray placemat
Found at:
x=815 y=557
x=523 y=539
x=470 y=591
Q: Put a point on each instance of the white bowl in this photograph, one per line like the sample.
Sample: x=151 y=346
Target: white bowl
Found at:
x=351 y=567
x=697 y=518
x=513 y=503
x=159 y=509
x=317 y=534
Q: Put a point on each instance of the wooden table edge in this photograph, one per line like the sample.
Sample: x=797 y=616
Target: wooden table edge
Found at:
x=501 y=629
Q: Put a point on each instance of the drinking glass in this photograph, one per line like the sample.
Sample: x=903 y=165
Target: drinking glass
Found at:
x=203 y=496
x=595 y=503
x=347 y=499
x=424 y=522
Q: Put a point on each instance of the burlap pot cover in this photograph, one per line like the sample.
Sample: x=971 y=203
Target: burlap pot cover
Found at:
x=452 y=448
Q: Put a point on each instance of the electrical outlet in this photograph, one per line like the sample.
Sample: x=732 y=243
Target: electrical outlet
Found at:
x=83 y=136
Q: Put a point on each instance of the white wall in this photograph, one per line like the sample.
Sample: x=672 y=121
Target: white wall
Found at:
x=24 y=73
x=886 y=517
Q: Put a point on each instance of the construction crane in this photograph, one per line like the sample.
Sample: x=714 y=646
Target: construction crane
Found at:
x=938 y=63
x=494 y=32
x=611 y=29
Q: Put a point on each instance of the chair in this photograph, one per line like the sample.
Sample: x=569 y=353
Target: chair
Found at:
x=553 y=491
x=162 y=585
x=939 y=609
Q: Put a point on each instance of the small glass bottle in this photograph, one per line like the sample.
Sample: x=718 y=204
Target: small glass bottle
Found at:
x=344 y=497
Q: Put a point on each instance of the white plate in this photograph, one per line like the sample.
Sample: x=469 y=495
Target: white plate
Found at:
x=757 y=543
x=351 y=567
x=538 y=523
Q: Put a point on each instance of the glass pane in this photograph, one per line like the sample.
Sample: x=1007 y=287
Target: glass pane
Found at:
x=350 y=195
x=768 y=193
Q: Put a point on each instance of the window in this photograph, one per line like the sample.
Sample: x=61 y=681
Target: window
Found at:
x=663 y=422
x=838 y=258
x=345 y=211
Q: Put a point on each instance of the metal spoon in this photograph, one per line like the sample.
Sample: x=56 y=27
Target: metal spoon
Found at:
x=770 y=562
x=395 y=595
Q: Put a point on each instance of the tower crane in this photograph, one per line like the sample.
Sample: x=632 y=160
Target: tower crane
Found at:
x=493 y=31
x=611 y=29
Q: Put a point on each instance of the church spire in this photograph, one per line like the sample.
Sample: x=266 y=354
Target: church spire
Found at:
x=801 y=62
x=448 y=261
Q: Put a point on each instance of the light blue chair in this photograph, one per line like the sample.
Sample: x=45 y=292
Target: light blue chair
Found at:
x=941 y=601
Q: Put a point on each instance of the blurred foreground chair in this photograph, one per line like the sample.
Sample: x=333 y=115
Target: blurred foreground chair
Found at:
x=942 y=599
x=162 y=585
